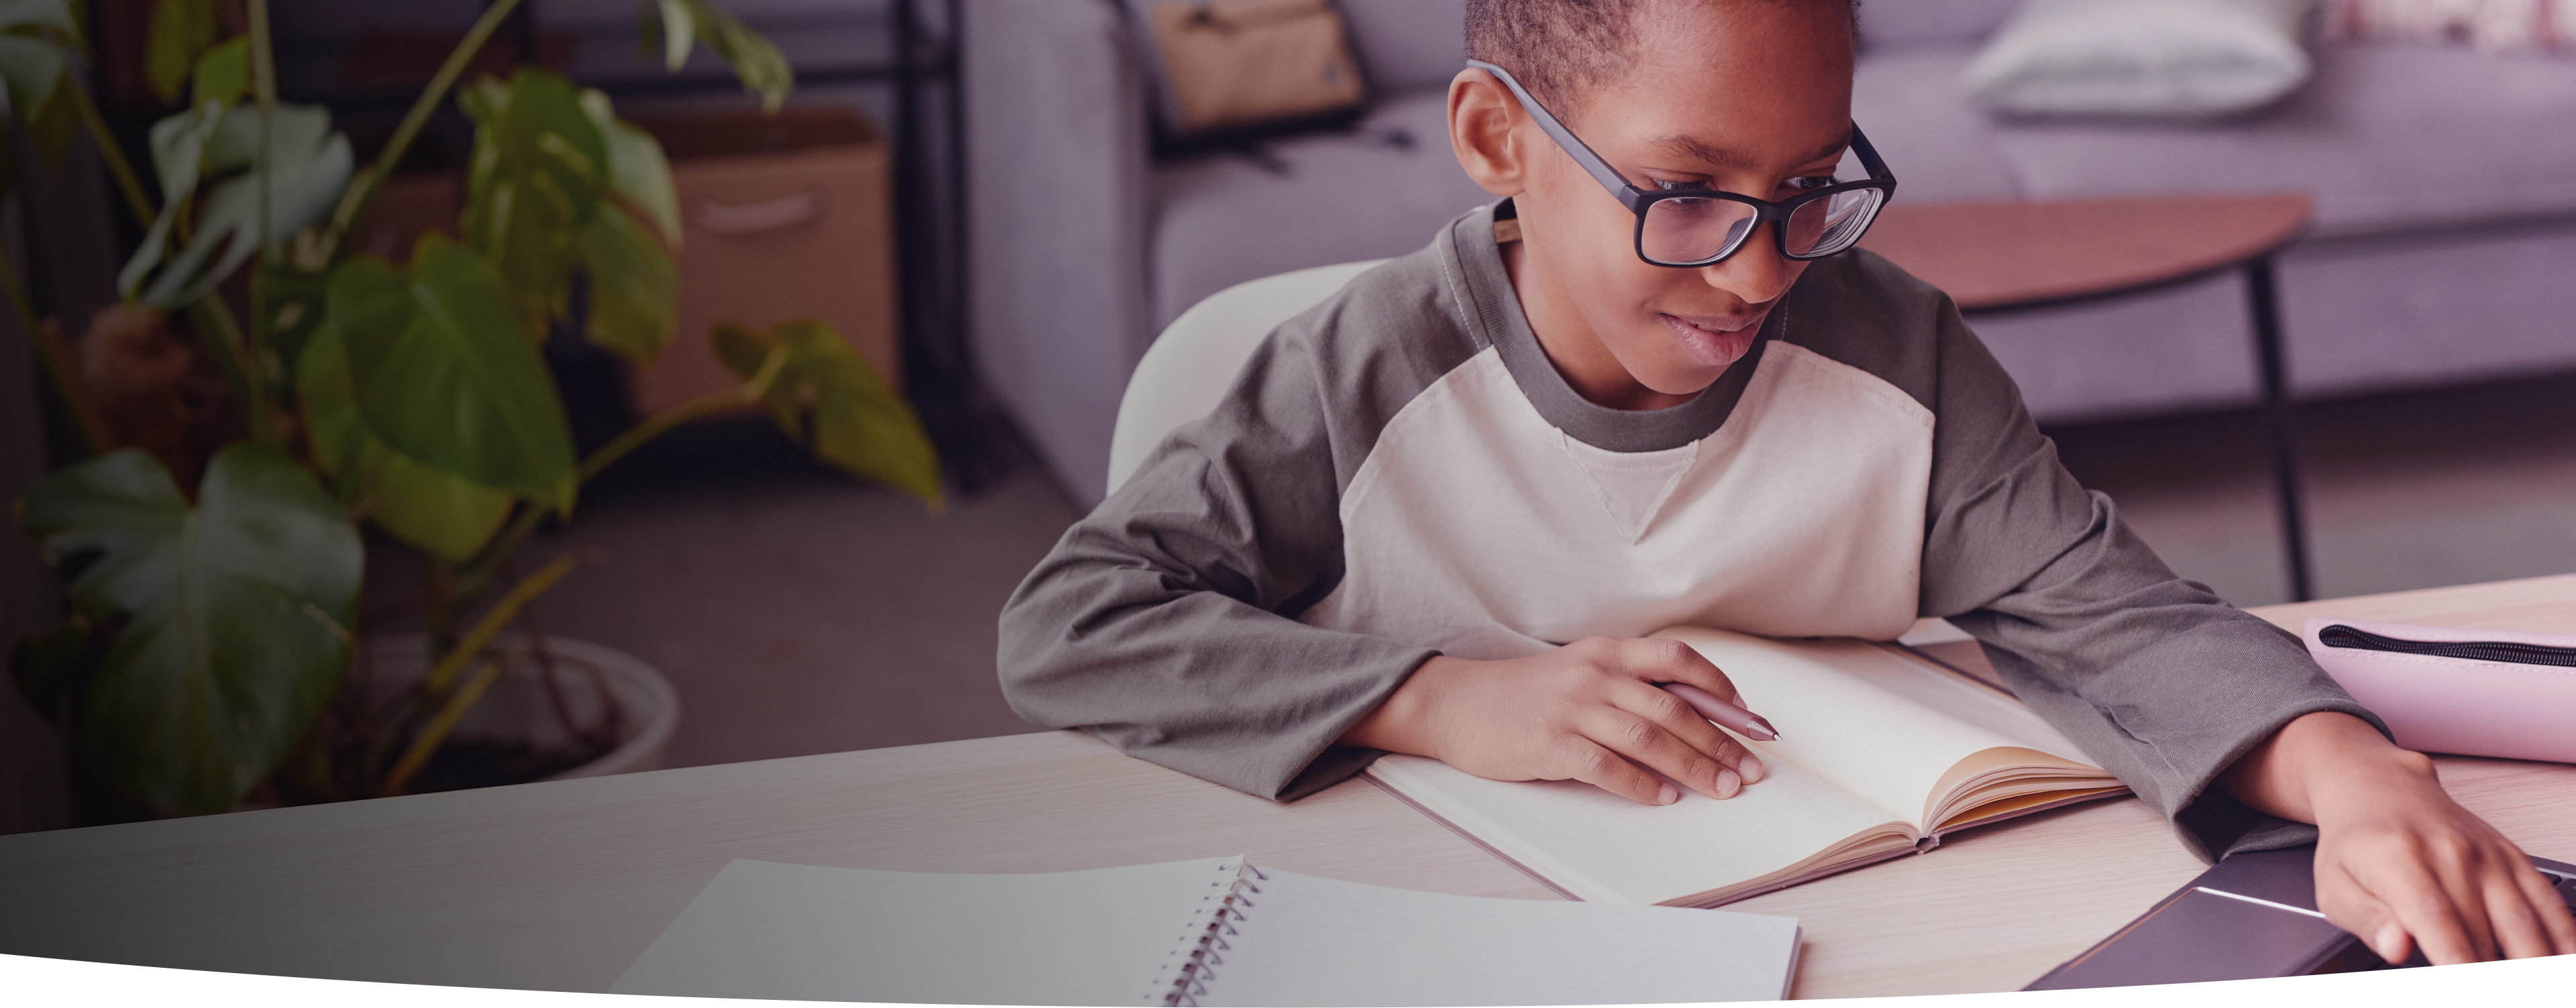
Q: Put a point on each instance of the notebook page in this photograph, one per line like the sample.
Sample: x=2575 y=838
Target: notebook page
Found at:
x=800 y=932
x=1945 y=691
x=1317 y=941
x=1606 y=849
x=1848 y=712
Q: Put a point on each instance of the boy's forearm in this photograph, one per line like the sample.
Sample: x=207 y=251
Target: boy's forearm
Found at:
x=2323 y=759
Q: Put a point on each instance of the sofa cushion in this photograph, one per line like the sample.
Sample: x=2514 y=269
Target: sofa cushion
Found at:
x=2387 y=137
x=1408 y=45
x=1385 y=188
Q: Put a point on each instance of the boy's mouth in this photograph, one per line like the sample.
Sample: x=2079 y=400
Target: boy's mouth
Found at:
x=1714 y=341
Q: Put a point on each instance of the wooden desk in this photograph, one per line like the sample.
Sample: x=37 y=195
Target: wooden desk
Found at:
x=559 y=886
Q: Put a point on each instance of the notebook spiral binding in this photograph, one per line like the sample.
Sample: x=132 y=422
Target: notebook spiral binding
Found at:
x=1202 y=945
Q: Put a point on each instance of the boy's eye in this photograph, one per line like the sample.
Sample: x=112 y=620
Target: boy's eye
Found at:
x=1806 y=182
x=1668 y=185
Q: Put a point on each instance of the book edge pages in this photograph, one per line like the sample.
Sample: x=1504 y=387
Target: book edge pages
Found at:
x=1961 y=787
x=1930 y=827
x=1720 y=897
x=1797 y=948
x=1933 y=839
x=1604 y=894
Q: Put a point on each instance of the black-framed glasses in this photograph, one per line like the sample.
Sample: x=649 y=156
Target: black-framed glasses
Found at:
x=1685 y=228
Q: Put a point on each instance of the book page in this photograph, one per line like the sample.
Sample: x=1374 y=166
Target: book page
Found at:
x=1305 y=940
x=1880 y=726
x=800 y=932
x=1600 y=847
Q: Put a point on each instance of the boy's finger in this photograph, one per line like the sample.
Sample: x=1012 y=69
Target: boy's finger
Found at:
x=2515 y=919
x=1656 y=659
x=2435 y=916
x=2354 y=909
x=1645 y=742
x=1582 y=759
x=2555 y=916
x=1685 y=722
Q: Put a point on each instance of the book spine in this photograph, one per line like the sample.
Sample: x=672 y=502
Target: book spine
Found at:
x=1206 y=938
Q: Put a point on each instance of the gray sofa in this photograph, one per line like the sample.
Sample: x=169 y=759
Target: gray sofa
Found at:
x=2443 y=249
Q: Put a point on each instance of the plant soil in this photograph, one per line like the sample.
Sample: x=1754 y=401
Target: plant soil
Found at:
x=474 y=762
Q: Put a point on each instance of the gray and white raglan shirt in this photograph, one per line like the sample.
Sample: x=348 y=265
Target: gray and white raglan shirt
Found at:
x=1400 y=473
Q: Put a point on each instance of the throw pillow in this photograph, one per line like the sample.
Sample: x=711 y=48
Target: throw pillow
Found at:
x=1236 y=68
x=2491 y=25
x=2141 y=59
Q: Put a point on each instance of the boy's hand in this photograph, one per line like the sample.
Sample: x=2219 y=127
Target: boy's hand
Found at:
x=1588 y=711
x=2400 y=864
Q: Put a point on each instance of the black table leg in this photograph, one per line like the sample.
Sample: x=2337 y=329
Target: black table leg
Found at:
x=2282 y=420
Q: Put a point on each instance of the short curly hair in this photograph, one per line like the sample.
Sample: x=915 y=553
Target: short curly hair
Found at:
x=1558 y=47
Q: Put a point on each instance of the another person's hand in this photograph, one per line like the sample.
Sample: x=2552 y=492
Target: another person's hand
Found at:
x=1588 y=711
x=2400 y=864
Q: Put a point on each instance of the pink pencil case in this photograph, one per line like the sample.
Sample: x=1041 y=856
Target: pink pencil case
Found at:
x=2452 y=690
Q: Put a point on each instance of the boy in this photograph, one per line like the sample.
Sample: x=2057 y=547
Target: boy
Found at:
x=1652 y=385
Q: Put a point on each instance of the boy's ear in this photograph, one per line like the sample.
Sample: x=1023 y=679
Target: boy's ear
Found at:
x=1482 y=117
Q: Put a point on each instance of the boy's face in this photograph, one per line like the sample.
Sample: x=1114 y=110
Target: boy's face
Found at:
x=1749 y=97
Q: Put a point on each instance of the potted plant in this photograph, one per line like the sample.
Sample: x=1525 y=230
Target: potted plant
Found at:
x=261 y=392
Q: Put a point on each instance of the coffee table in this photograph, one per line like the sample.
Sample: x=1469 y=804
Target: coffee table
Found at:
x=1996 y=257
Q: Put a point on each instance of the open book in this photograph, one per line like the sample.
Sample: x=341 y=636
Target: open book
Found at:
x=1210 y=932
x=1880 y=753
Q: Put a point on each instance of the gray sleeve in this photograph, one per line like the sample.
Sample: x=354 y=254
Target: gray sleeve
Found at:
x=1163 y=622
x=2161 y=681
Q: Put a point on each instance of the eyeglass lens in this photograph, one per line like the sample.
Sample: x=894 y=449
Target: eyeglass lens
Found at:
x=1692 y=229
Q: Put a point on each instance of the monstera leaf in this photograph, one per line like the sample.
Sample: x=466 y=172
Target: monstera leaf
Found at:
x=634 y=285
x=443 y=372
x=308 y=165
x=443 y=514
x=676 y=26
x=557 y=184
x=537 y=172
x=34 y=71
x=235 y=616
x=633 y=282
x=179 y=30
x=858 y=423
x=636 y=168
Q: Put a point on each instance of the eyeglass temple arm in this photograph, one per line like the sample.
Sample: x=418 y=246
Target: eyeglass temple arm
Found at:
x=1583 y=155
x=1869 y=159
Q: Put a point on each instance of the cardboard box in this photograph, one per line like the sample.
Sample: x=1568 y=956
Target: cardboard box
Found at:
x=783 y=217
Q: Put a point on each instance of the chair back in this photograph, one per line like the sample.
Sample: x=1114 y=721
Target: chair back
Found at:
x=1188 y=369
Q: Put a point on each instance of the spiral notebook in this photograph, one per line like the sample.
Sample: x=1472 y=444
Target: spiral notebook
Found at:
x=1880 y=754
x=1209 y=932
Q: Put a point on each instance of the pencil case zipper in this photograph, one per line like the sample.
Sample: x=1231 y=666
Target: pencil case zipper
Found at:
x=2341 y=636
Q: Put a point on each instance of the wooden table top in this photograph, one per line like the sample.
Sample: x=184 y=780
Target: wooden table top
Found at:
x=559 y=886
x=1996 y=255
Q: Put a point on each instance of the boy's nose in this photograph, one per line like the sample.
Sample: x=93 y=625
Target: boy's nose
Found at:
x=1757 y=272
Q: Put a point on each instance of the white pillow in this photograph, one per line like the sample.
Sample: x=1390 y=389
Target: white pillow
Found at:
x=2145 y=59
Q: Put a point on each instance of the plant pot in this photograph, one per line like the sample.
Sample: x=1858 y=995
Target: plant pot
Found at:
x=517 y=711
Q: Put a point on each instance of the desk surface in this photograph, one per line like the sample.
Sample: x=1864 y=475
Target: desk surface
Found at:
x=559 y=886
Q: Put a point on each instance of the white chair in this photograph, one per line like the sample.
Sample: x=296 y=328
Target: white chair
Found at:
x=1190 y=366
